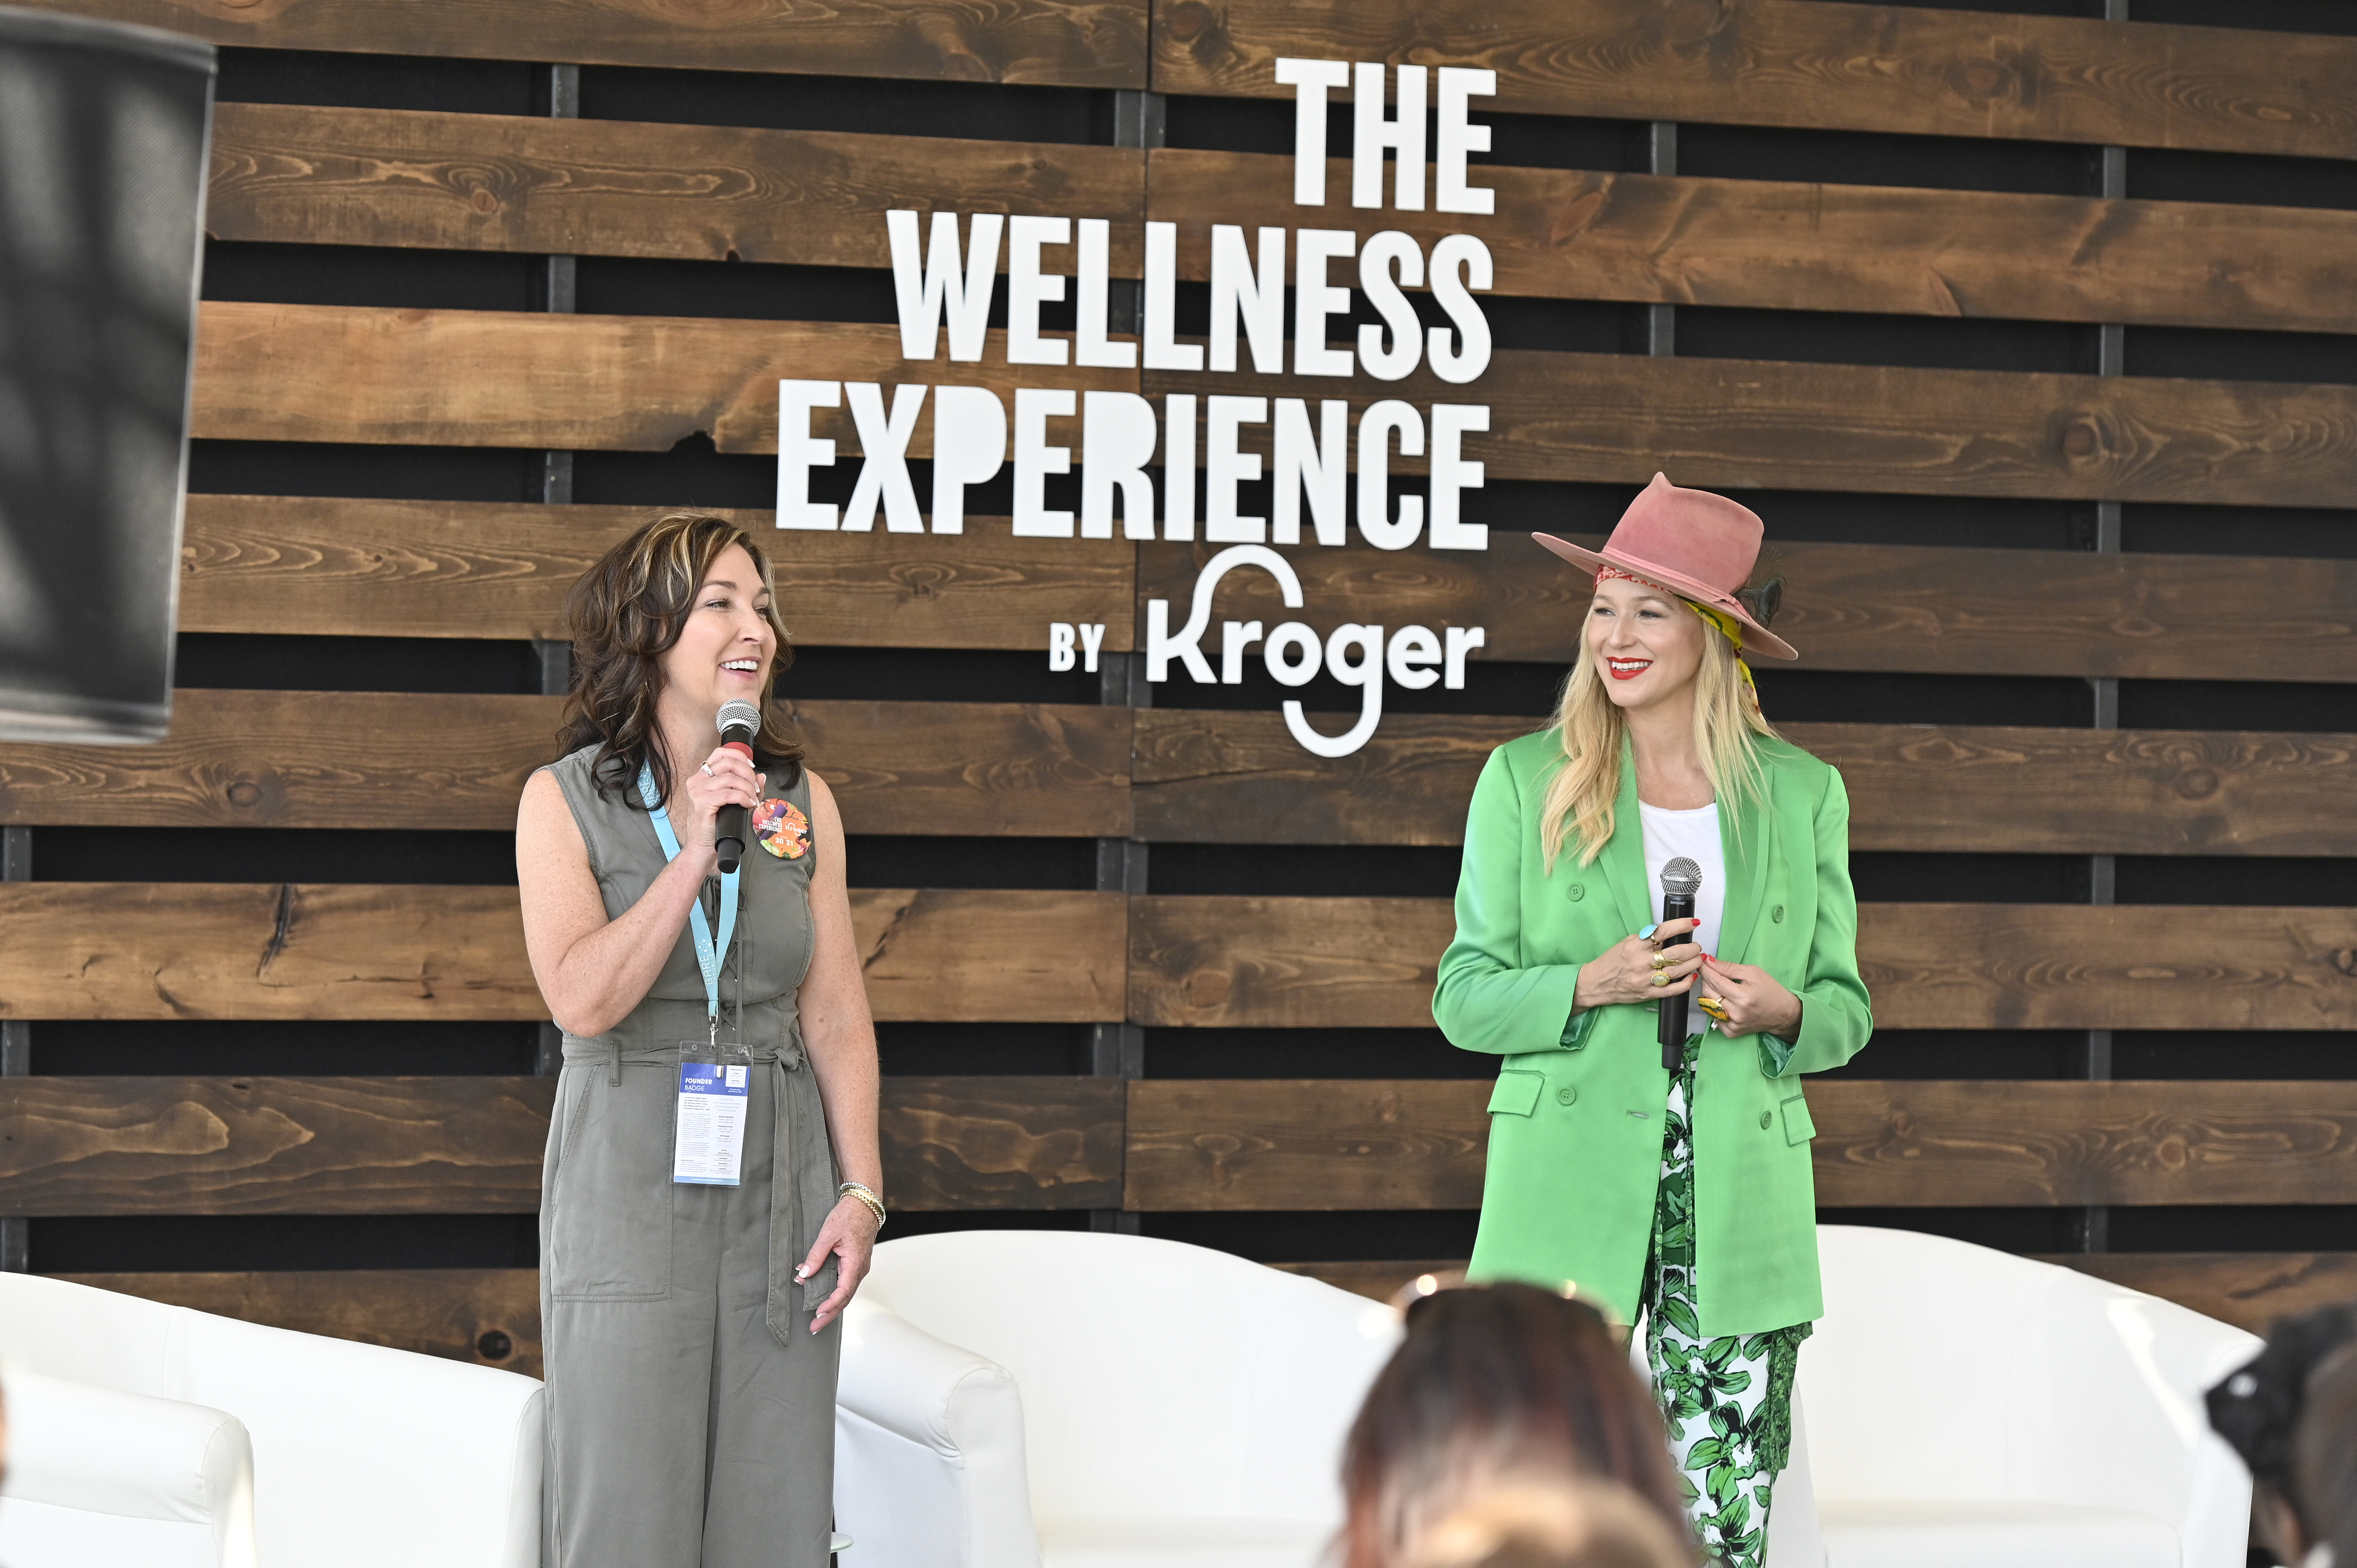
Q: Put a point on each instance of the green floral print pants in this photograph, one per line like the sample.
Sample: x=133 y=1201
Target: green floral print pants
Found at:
x=1728 y=1403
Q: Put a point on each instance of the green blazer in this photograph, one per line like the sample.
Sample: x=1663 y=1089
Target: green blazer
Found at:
x=1575 y=1121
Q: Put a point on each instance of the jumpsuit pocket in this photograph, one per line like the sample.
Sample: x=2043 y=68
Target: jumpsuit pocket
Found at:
x=1517 y=1093
x=610 y=1194
x=1798 y=1126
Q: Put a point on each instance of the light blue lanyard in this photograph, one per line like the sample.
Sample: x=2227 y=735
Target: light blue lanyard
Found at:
x=708 y=954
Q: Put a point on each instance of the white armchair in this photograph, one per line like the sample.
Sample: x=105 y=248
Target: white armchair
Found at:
x=1968 y=1407
x=147 y=1434
x=1178 y=1407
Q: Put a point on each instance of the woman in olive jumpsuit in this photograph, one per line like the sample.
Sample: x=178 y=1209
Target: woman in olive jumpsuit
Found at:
x=689 y=1331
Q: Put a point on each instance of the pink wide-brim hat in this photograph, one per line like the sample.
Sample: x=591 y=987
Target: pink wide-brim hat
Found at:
x=1698 y=545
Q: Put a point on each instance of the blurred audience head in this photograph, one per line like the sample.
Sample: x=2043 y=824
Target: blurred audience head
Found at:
x=1567 y=1524
x=1496 y=1386
x=2258 y=1410
x=2324 y=1460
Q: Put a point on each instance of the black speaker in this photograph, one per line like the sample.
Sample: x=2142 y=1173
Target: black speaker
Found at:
x=104 y=135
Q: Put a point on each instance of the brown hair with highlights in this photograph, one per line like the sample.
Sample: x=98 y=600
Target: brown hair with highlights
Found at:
x=1497 y=1383
x=625 y=613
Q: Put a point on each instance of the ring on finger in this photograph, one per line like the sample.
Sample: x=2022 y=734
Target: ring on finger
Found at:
x=708 y=773
x=1659 y=979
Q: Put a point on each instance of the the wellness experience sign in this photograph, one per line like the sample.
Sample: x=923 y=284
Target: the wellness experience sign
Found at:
x=945 y=290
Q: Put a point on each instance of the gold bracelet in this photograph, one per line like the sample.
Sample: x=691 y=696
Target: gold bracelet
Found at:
x=865 y=1194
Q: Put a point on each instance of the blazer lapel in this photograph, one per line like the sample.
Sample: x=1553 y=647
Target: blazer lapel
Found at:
x=1747 y=855
x=1623 y=857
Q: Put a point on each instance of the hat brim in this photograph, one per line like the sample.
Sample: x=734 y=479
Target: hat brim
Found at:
x=1756 y=638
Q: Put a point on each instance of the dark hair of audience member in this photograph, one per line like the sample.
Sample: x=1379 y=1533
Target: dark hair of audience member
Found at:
x=1495 y=1384
x=2324 y=1456
x=1570 y=1524
x=2258 y=1411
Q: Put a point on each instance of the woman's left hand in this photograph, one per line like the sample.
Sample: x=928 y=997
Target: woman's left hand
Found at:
x=1754 y=1001
x=849 y=1234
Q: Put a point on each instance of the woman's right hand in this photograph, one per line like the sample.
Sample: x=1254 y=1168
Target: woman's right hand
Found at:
x=1625 y=971
x=725 y=778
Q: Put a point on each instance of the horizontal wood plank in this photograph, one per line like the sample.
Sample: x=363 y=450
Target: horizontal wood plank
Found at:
x=274 y=372
x=1210 y=776
x=307 y=759
x=297 y=174
x=1311 y=1145
x=1220 y=961
x=489 y=1316
x=1003 y=1143
x=161 y=951
x=322 y=760
x=2249 y=1290
x=987 y=956
x=1204 y=776
x=1932 y=1144
x=1928 y=609
x=499 y=378
x=1315 y=1145
x=1054 y=43
x=1786 y=245
x=473 y=1145
x=469 y=1314
x=331 y=567
x=273 y=1146
x=1810 y=65
x=1225 y=961
x=1765 y=424
x=155 y=1145
x=1965 y=790
x=324 y=567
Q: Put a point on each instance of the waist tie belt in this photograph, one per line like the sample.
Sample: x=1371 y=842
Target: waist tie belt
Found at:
x=785 y=1170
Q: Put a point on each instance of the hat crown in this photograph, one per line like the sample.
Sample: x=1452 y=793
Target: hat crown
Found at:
x=1693 y=533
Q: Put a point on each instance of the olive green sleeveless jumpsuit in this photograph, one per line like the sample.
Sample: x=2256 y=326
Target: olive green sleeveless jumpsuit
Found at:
x=690 y=1412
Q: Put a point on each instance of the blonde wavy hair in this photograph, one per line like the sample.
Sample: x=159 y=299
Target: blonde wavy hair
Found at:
x=1582 y=795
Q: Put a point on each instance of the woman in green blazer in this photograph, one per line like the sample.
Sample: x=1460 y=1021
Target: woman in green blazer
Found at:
x=1687 y=1194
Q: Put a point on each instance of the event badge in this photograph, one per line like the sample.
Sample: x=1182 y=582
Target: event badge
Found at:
x=708 y=1138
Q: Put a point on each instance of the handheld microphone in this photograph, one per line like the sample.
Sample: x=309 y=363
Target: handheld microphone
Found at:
x=1681 y=880
x=738 y=723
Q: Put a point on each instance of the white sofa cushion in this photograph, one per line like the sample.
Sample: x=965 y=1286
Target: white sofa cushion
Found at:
x=99 y=1478
x=1953 y=1534
x=1183 y=1543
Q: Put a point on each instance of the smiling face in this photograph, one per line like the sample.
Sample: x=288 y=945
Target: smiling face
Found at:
x=727 y=646
x=1647 y=645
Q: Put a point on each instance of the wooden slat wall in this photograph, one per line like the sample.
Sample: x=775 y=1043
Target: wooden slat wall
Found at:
x=603 y=187
x=407 y=179
x=1370 y=963
x=327 y=566
x=1578 y=234
x=361 y=177
x=360 y=1145
x=1810 y=64
x=316 y=760
x=183 y=949
x=1059 y=43
x=482 y=378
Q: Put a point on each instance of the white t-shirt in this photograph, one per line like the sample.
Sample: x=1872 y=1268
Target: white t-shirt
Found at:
x=1693 y=834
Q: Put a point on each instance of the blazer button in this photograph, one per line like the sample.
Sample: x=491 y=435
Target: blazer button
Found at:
x=1765 y=1118
x=1578 y=891
x=1777 y=914
x=1565 y=1095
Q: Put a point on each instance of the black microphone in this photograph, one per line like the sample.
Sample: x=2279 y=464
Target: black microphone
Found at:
x=738 y=723
x=1681 y=880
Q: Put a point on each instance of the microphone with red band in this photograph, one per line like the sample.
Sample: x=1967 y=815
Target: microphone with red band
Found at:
x=738 y=723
